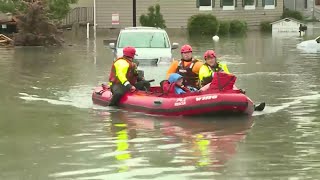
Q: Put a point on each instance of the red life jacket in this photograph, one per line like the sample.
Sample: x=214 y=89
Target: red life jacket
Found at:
x=168 y=88
x=189 y=77
x=222 y=81
x=131 y=73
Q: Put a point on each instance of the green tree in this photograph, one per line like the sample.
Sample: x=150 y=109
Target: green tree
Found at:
x=58 y=9
x=154 y=18
x=55 y=9
x=36 y=20
x=292 y=14
x=203 y=24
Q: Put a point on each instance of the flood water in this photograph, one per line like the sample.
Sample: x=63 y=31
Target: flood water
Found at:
x=50 y=129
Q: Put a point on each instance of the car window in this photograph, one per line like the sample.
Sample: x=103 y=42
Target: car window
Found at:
x=143 y=40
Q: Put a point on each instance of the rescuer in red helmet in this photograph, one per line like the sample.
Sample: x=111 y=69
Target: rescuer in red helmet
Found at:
x=124 y=76
x=188 y=67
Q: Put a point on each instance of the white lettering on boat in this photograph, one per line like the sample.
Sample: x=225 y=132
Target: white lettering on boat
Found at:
x=206 y=98
x=180 y=102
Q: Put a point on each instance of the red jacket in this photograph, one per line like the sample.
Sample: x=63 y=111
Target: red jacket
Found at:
x=169 y=88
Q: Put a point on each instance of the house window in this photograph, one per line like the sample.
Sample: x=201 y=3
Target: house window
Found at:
x=228 y=4
x=205 y=5
x=269 y=4
x=249 y=4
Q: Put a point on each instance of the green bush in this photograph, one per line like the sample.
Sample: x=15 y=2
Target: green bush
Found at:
x=238 y=27
x=224 y=27
x=265 y=26
x=154 y=18
x=204 y=24
x=293 y=14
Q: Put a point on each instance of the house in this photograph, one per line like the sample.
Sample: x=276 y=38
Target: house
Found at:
x=316 y=12
x=177 y=12
x=286 y=25
x=8 y=25
x=303 y=6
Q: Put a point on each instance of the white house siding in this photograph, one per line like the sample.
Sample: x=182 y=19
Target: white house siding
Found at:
x=299 y=5
x=177 y=12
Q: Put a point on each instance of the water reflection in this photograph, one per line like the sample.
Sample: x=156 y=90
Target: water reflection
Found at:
x=204 y=144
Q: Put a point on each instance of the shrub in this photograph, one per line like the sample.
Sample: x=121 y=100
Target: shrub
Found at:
x=238 y=27
x=154 y=18
x=224 y=27
x=204 y=24
x=265 y=26
x=293 y=14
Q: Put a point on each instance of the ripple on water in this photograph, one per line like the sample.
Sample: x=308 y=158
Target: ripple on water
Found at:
x=145 y=173
x=170 y=146
x=79 y=172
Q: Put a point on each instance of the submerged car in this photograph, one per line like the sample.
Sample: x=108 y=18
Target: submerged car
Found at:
x=152 y=44
x=311 y=46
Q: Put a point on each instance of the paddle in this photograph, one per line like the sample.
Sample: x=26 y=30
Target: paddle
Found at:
x=260 y=107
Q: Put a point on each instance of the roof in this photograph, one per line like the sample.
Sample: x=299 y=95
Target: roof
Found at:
x=288 y=19
x=142 y=28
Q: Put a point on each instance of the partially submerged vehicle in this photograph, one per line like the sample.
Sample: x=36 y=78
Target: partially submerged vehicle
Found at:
x=310 y=46
x=152 y=44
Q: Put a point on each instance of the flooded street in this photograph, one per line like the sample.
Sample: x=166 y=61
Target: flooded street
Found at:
x=51 y=130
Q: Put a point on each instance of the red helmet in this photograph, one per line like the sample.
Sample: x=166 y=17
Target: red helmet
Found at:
x=129 y=51
x=209 y=53
x=186 y=48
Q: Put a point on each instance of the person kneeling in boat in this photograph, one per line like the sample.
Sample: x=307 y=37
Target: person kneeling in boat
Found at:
x=210 y=66
x=174 y=85
x=124 y=76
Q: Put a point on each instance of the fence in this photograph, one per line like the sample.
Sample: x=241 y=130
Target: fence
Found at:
x=80 y=15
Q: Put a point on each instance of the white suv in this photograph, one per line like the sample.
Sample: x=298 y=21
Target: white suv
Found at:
x=152 y=45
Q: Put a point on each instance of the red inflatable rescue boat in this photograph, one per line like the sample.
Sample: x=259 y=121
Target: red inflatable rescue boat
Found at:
x=189 y=104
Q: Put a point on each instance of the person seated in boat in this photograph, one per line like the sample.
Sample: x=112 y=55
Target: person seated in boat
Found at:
x=174 y=85
x=220 y=82
x=215 y=75
x=124 y=76
x=187 y=66
x=210 y=66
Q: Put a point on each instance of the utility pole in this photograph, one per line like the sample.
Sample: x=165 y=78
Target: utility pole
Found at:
x=313 y=4
x=95 y=31
x=134 y=12
x=94 y=18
